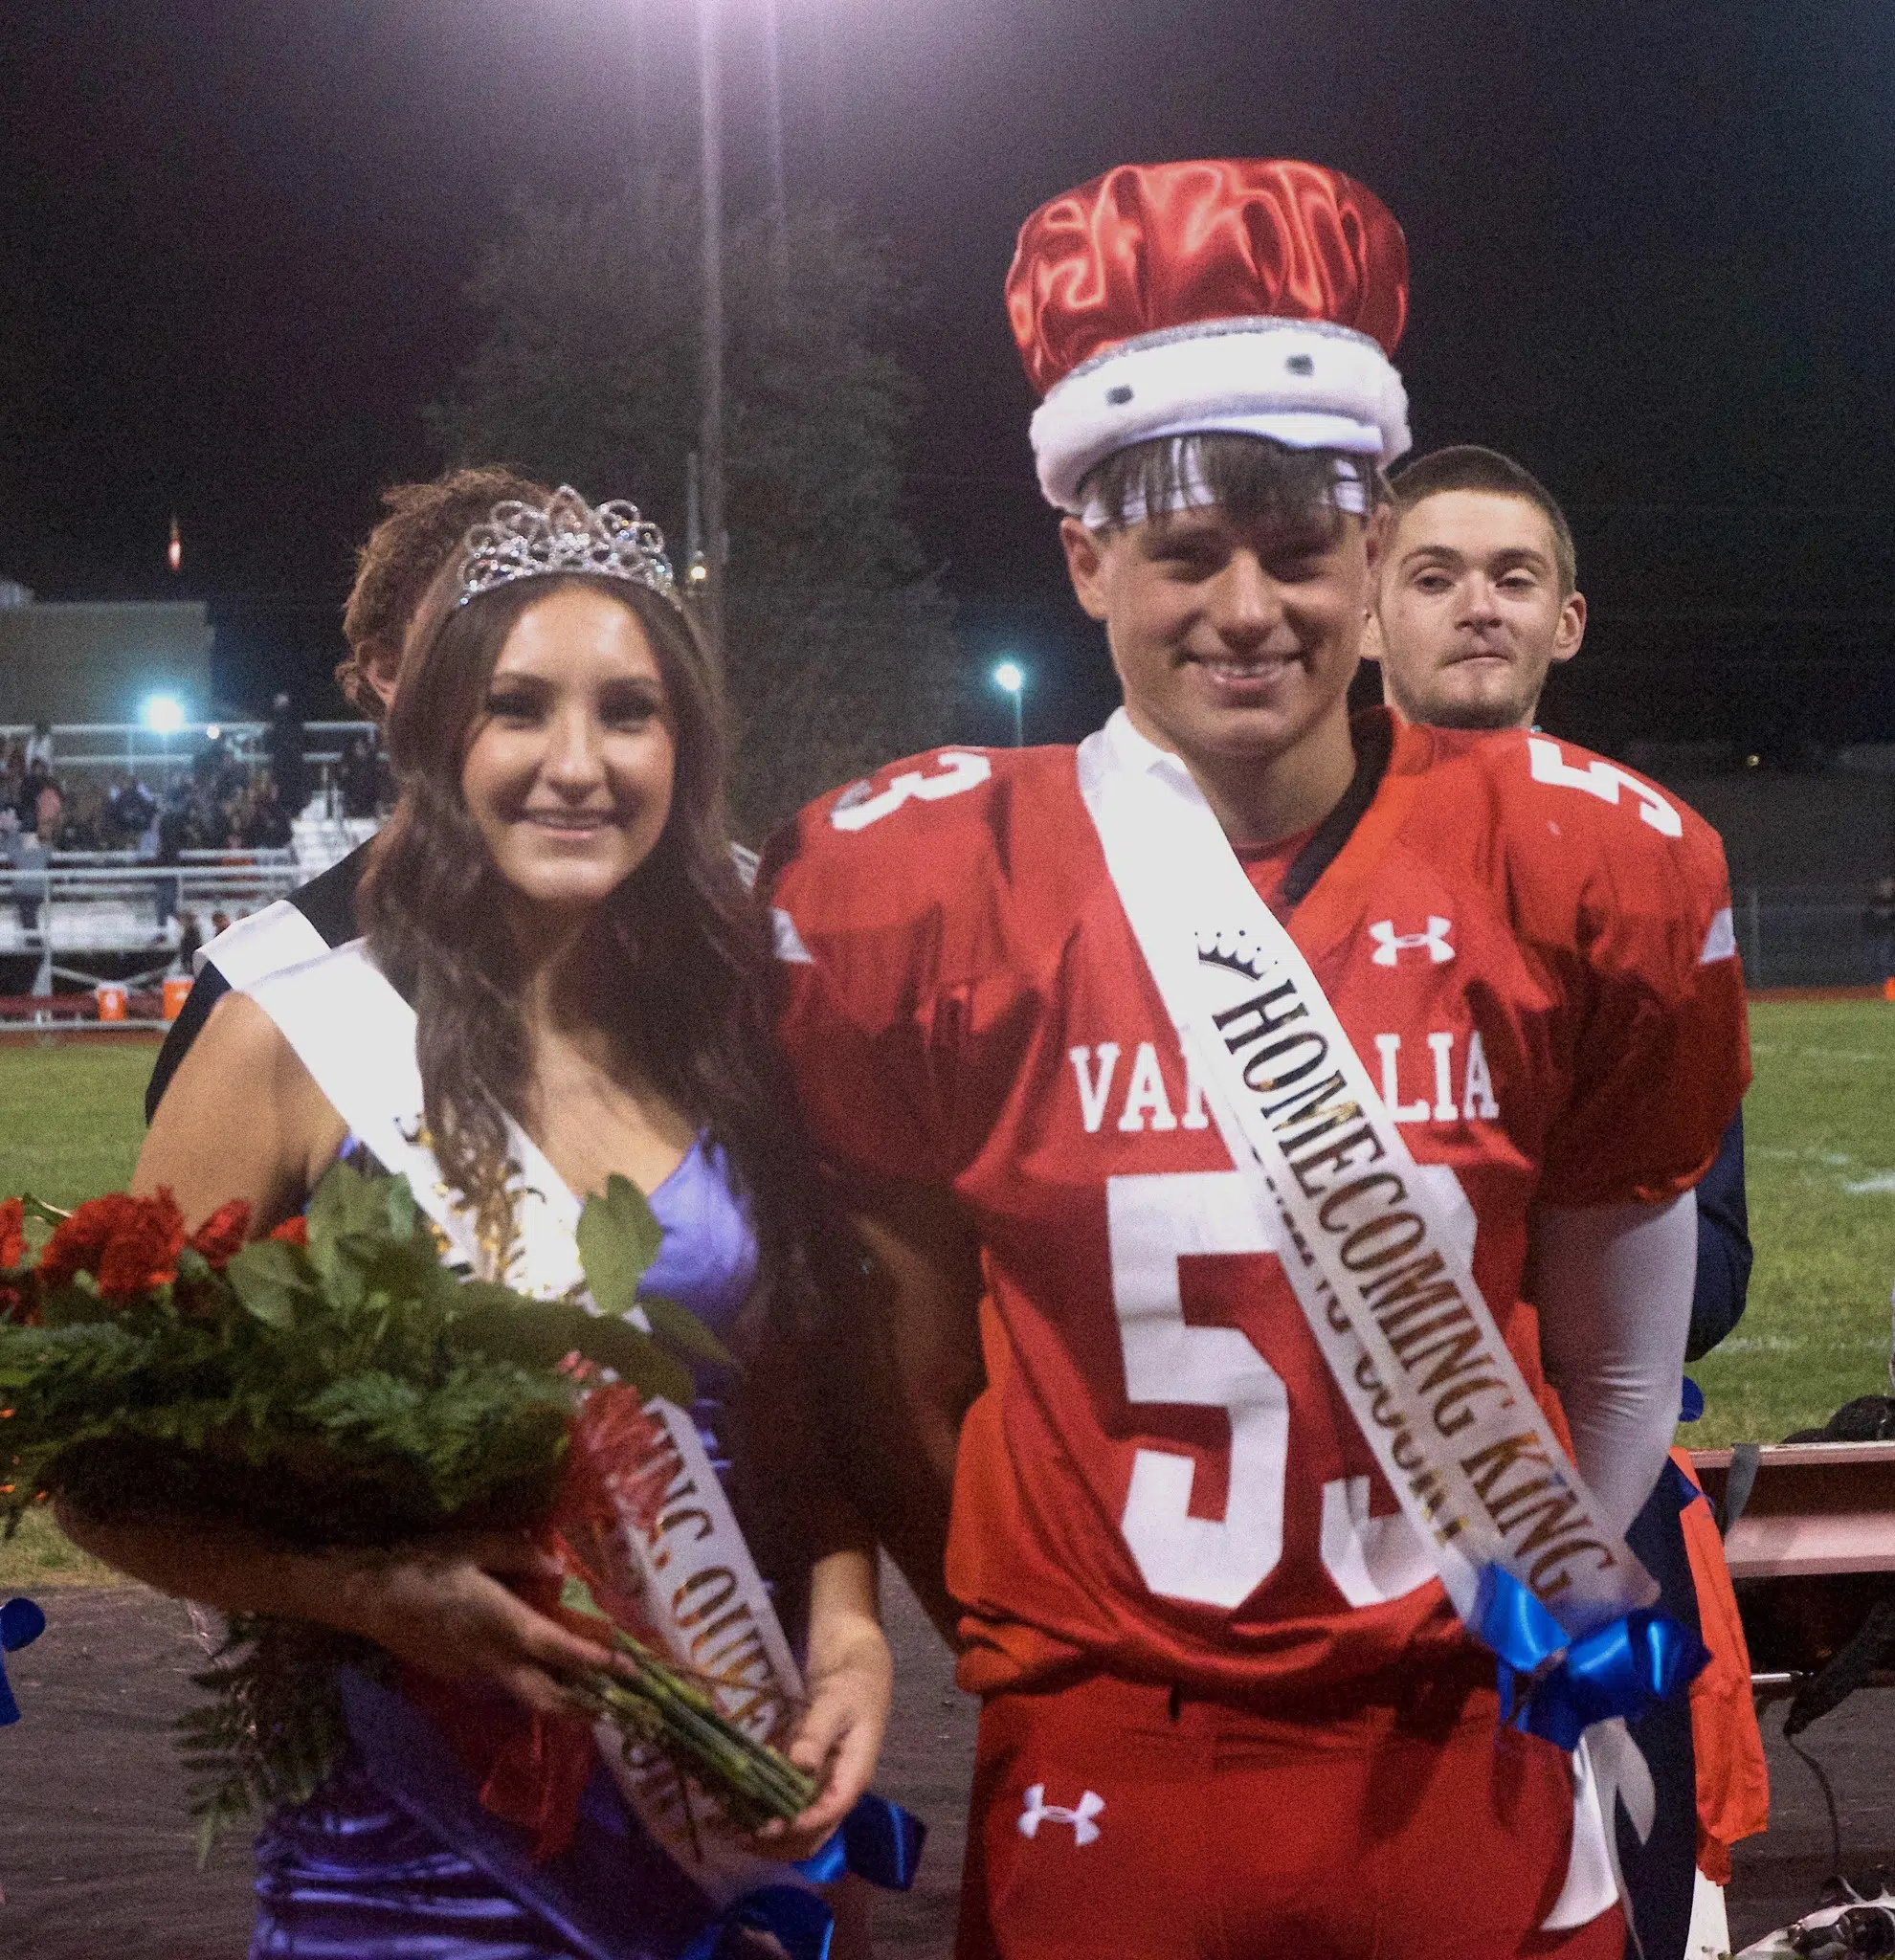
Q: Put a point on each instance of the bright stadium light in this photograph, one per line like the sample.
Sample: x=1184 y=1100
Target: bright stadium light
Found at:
x=1010 y=677
x=162 y=713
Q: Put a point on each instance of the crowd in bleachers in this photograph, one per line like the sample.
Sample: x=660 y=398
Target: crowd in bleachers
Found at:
x=224 y=803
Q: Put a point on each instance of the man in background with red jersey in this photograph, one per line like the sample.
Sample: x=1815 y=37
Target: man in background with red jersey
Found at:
x=1477 y=599
x=1203 y=1096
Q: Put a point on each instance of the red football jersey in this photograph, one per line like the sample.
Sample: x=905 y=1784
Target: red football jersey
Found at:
x=1532 y=950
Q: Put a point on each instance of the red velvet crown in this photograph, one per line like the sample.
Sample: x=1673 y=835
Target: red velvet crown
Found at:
x=1151 y=246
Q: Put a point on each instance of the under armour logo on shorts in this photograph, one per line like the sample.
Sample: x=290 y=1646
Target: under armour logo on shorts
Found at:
x=1391 y=945
x=1037 y=1811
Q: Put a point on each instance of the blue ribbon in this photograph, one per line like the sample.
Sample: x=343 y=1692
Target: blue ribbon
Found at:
x=799 y=1922
x=21 y=1624
x=1677 y=1488
x=1555 y=1687
x=878 y=1841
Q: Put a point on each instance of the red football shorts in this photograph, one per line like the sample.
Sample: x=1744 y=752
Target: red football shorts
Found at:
x=1116 y=1821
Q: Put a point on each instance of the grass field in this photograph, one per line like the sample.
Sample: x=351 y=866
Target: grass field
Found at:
x=71 y=1116
x=1819 y=1132
x=1820 y=1129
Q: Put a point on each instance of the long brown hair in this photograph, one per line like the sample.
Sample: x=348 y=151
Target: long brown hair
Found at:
x=689 y=954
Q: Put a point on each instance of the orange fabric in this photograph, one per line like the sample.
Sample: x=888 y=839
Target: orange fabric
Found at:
x=533 y=1769
x=1151 y=246
x=1733 y=1780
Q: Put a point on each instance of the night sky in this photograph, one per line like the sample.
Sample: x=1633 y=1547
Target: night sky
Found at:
x=1652 y=257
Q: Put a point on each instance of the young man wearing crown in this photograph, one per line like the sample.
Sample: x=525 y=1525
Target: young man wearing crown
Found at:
x=1213 y=1100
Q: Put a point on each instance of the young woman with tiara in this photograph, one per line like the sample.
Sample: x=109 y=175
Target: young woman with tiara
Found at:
x=563 y=978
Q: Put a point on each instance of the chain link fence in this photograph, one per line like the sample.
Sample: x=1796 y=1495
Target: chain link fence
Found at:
x=1812 y=936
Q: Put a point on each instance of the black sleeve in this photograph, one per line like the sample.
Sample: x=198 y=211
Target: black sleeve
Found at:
x=208 y=987
x=327 y=903
x=1724 y=1246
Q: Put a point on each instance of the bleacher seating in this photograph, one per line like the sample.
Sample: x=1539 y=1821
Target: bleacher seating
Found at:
x=100 y=914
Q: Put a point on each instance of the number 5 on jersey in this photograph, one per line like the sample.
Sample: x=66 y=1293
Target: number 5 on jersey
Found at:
x=1153 y=1223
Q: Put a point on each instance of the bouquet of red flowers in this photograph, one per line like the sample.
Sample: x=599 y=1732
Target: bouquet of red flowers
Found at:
x=335 y=1384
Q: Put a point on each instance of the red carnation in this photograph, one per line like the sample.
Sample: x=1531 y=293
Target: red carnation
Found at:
x=130 y=1245
x=12 y=1235
x=293 y=1231
x=220 y=1237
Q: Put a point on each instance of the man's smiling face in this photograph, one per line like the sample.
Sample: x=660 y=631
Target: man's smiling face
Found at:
x=1470 y=611
x=1232 y=638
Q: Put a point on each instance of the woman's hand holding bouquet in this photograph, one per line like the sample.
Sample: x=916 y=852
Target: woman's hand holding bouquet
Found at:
x=443 y=1604
x=419 y=1443
x=851 y=1681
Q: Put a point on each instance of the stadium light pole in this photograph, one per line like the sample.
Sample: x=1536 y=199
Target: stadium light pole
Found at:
x=710 y=415
x=779 y=176
x=706 y=571
x=1010 y=677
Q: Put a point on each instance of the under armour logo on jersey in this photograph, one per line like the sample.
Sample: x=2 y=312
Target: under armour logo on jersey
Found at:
x=1037 y=1811
x=1391 y=945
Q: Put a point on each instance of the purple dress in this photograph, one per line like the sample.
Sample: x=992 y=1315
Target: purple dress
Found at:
x=396 y=1859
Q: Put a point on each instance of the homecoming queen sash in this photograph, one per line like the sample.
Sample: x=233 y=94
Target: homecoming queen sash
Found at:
x=700 y=1588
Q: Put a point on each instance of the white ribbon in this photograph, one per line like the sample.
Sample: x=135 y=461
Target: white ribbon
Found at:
x=691 y=1570
x=261 y=943
x=1609 y=1770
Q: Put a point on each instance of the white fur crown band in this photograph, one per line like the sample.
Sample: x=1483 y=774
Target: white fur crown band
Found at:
x=1307 y=383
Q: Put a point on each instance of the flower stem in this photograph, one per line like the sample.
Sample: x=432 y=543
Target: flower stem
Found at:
x=664 y=1707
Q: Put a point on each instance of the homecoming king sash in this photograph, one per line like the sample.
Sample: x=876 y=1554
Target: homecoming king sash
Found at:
x=1526 y=1556
x=700 y=1588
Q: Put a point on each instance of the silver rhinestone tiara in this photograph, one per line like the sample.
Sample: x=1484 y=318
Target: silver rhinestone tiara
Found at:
x=605 y=541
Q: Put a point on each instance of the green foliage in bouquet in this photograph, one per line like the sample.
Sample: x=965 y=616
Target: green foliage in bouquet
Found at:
x=674 y=1713
x=333 y=1384
x=272 y=1728
x=365 y=1392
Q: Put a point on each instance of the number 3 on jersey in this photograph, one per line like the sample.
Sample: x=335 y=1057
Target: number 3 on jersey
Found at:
x=958 y=771
x=1154 y=1221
